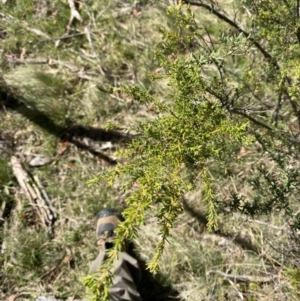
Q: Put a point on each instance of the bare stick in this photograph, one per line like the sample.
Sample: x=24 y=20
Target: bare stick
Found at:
x=38 y=32
x=241 y=278
x=87 y=31
x=52 y=212
x=41 y=61
x=236 y=289
x=35 y=193
x=74 y=13
x=22 y=178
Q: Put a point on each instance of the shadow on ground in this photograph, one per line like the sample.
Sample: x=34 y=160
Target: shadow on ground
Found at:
x=153 y=287
x=10 y=100
x=237 y=238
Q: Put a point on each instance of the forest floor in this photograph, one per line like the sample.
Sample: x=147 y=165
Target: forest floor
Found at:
x=58 y=64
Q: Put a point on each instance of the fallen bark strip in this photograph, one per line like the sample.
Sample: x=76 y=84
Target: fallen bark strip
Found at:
x=36 y=195
x=22 y=178
x=46 y=198
x=242 y=278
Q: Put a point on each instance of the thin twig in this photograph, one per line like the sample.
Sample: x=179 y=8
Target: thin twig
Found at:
x=269 y=225
x=65 y=36
x=87 y=31
x=275 y=115
x=242 y=278
x=74 y=15
x=253 y=120
x=41 y=61
x=236 y=289
x=211 y=9
x=15 y=60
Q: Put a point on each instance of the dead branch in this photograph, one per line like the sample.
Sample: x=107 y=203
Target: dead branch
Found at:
x=94 y=149
x=74 y=13
x=36 y=194
x=38 y=32
x=222 y=17
x=12 y=59
x=87 y=31
x=50 y=208
x=40 y=61
x=55 y=267
x=270 y=226
x=236 y=289
x=241 y=278
x=23 y=179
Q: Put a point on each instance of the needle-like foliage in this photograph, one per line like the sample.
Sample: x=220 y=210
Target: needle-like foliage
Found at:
x=174 y=149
